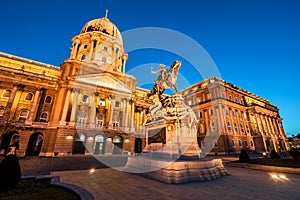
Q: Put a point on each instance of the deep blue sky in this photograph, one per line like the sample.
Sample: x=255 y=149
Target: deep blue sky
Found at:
x=254 y=43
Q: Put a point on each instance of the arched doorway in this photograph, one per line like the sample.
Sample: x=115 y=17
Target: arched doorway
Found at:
x=34 y=144
x=118 y=145
x=99 y=146
x=7 y=140
x=138 y=145
x=79 y=144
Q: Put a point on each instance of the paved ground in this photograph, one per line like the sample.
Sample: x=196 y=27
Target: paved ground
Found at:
x=240 y=184
x=34 y=166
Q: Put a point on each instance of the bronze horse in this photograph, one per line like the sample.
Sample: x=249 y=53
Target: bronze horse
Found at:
x=167 y=79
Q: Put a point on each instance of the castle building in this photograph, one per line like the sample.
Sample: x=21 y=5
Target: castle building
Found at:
x=89 y=105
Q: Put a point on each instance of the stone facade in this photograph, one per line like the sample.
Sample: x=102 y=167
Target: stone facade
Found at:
x=89 y=105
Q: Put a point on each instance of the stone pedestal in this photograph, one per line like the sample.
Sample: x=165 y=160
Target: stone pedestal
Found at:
x=172 y=154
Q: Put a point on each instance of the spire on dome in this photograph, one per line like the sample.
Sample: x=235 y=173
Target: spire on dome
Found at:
x=106 y=13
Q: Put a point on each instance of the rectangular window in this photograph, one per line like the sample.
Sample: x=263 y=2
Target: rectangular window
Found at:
x=117 y=104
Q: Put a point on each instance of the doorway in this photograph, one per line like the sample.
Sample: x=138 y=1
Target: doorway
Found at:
x=34 y=144
x=99 y=147
x=138 y=145
x=118 y=145
x=79 y=144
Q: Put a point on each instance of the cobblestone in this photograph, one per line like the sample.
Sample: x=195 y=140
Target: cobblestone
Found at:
x=240 y=184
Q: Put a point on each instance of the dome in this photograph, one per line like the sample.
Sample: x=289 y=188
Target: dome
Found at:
x=103 y=25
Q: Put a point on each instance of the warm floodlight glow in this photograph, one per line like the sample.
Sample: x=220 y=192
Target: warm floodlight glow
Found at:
x=92 y=170
x=280 y=177
x=69 y=137
x=283 y=177
x=274 y=176
x=264 y=153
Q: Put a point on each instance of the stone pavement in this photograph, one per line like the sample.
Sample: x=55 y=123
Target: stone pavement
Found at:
x=240 y=184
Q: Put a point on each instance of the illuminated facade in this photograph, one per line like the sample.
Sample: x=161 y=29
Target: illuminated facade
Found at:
x=89 y=105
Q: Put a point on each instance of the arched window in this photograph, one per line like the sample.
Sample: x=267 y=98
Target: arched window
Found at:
x=223 y=95
x=213 y=126
x=235 y=127
x=236 y=100
x=200 y=114
x=79 y=137
x=226 y=111
x=242 y=101
x=117 y=139
x=240 y=143
x=99 y=138
x=232 y=143
x=229 y=126
x=48 y=100
x=85 y=46
x=232 y=112
x=246 y=143
x=28 y=97
x=230 y=97
x=83 y=57
x=44 y=117
x=23 y=115
x=6 y=93
x=103 y=59
x=85 y=98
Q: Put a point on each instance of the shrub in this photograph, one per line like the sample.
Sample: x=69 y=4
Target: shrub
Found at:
x=244 y=156
x=294 y=153
x=274 y=154
x=10 y=172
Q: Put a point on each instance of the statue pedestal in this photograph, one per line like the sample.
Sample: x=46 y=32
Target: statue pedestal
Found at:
x=172 y=154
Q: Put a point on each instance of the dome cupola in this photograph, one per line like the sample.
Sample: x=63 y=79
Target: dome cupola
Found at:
x=100 y=42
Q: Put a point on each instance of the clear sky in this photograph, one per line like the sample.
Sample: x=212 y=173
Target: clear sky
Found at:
x=254 y=43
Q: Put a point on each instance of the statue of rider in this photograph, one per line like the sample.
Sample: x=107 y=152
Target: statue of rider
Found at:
x=163 y=72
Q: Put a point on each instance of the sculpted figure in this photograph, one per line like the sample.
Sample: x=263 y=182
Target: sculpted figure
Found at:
x=166 y=79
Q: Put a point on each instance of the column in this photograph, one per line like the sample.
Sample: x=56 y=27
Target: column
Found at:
x=65 y=109
x=262 y=124
x=74 y=107
x=126 y=114
x=110 y=124
x=10 y=102
x=268 y=125
x=93 y=110
x=33 y=107
x=91 y=51
x=219 y=119
x=256 y=121
x=132 y=116
x=74 y=50
x=272 y=128
x=275 y=127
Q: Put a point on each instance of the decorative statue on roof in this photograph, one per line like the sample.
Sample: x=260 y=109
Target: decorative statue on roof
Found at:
x=166 y=79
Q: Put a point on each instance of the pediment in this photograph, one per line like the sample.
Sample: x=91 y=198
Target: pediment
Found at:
x=103 y=80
